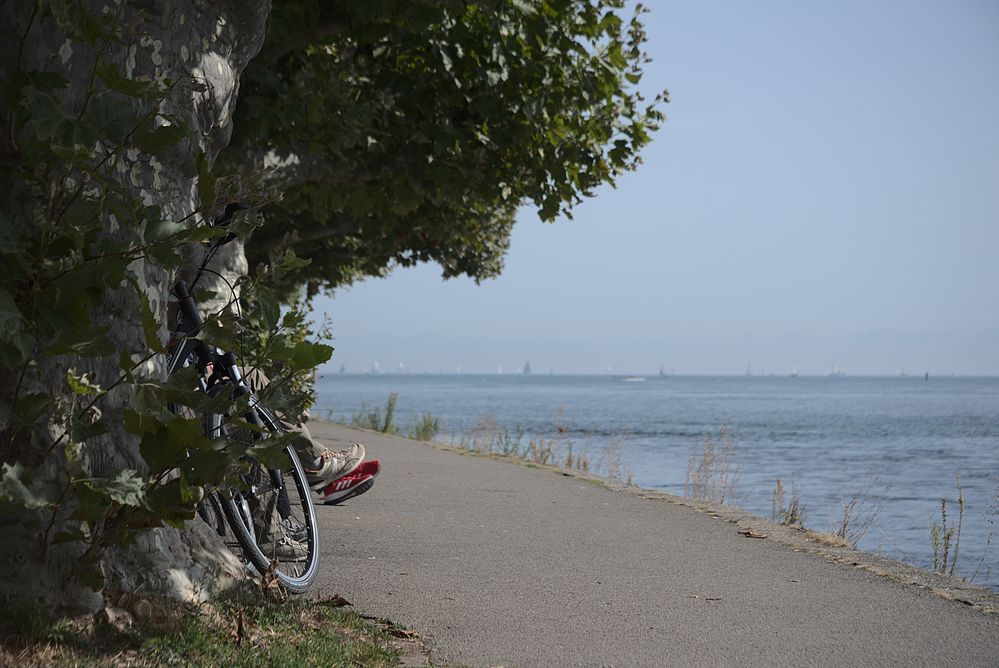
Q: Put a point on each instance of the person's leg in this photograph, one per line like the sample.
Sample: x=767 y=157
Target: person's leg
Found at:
x=322 y=466
x=309 y=450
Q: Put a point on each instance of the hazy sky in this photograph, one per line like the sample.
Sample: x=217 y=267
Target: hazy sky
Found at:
x=825 y=191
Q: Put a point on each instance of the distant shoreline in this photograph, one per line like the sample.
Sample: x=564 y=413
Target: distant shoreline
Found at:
x=656 y=376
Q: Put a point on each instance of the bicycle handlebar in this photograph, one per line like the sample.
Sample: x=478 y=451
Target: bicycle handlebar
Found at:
x=192 y=319
x=223 y=219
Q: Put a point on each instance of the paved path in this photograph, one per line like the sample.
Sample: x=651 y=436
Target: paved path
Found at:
x=494 y=564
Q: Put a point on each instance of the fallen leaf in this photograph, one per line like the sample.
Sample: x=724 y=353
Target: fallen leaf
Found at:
x=404 y=633
x=335 y=601
x=749 y=534
x=240 y=631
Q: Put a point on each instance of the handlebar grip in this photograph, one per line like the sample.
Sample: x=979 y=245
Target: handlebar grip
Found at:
x=180 y=290
x=192 y=319
x=223 y=218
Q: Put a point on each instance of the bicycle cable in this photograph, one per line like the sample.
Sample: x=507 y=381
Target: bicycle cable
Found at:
x=239 y=312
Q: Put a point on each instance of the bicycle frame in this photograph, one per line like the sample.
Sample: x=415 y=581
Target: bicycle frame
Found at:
x=264 y=496
x=216 y=367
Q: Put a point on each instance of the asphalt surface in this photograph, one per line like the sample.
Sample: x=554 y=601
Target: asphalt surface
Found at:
x=494 y=563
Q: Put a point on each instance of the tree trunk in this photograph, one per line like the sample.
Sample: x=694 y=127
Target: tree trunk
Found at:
x=182 y=40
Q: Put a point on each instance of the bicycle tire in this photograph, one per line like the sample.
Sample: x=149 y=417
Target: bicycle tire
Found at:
x=270 y=545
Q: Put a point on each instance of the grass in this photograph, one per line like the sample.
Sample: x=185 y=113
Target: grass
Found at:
x=946 y=536
x=424 y=428
x=262 y=631
x=793 y=514
x=556 y=449
x=860 y=511
x=711 y=476
x=991 y=518
x=373 y=418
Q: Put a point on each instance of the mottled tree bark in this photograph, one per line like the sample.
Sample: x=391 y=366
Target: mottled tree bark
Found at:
x=203 y=45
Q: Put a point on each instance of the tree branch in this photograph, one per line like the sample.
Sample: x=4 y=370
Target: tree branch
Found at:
x=271 y=53
x=297 y=237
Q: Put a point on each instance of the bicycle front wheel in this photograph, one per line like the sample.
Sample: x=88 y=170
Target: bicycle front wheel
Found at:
x=273 y=517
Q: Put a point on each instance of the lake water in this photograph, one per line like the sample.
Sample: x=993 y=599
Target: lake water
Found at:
x=831 y=435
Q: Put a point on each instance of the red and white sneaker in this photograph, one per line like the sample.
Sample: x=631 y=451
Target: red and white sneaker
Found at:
x=358 y=481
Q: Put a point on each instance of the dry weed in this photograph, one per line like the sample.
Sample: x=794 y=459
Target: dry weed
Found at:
x=860 y=511
x=711 y=475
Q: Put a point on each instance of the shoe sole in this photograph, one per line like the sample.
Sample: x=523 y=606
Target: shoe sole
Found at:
x=318 y=487
x=356 y=491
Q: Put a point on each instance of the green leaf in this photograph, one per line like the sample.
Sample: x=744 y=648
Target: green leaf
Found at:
x=206 y=183
x=108 y=118
x=175 y=501
x=270 y=451
x=290 y=261
x=117 y=82
x=14 y=489
x=48 y=115
x=137 y=423
x=306 y=355
x=90 y=575
x=10 y=316
x=83 y=431
x=150 y=326
x=29 y=408
x=160 y=139
x=69 y=535
x=126 y=364
x=92 y=502
x=10 y=239
x=164 y=447
x=126 y=488
x=87 y=430
x=165 y=256
x=81 y=385
x=269 y=311
x=87 y=342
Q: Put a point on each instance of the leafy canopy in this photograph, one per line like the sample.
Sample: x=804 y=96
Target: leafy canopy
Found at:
x=405 y=131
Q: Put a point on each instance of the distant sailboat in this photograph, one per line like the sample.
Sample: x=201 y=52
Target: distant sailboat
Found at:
x=527 y=369
x=794 y=371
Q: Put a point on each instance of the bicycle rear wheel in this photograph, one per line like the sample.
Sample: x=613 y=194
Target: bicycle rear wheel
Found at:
x=273 y=517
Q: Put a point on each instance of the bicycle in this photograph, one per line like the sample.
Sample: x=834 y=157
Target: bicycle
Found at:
x=271 y=515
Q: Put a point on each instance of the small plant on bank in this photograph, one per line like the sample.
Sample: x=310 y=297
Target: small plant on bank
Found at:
x=860 y=511
x=611 y=460
x=946 y=535
x=425 y=427
x=491 y=438
x=794 y=513
x=558 y=449
x=991 y=518
x=577 y=462
x=374 y=419
x=711 y=476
